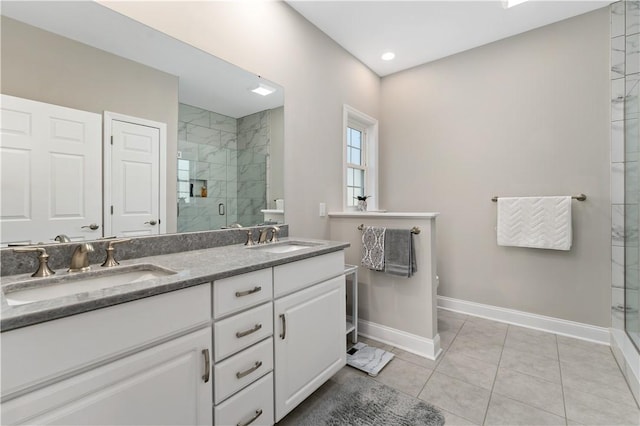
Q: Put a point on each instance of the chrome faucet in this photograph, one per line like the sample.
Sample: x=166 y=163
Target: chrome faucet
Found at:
x=80 y=258
x=62 y=238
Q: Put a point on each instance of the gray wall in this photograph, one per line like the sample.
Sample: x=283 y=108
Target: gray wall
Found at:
x=523 y=116
x=42 y=66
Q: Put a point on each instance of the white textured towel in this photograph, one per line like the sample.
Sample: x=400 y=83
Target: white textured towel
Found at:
x=538 y=222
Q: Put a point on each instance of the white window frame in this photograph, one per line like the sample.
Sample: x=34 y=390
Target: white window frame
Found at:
x=369 y=124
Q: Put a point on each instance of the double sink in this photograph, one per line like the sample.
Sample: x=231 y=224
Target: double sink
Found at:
x=41 y=289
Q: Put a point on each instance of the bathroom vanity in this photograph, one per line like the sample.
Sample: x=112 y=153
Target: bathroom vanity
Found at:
x=237 y=335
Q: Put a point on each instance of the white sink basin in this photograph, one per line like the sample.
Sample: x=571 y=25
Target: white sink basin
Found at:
x=285 y=246
x=21 y=293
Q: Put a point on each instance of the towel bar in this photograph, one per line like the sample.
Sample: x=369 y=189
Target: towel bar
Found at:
x=580 y=197
x=414 y=230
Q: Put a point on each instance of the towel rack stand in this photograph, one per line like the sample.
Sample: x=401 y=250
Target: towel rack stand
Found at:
x=414 y=230
x=580 y=197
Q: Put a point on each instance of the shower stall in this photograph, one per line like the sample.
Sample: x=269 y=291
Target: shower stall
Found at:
x=625 y=187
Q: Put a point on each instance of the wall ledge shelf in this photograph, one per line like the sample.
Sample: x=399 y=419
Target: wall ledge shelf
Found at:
x=385 y=214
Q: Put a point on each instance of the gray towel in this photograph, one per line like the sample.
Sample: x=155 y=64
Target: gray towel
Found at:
x=373 y=248
x=399 y=253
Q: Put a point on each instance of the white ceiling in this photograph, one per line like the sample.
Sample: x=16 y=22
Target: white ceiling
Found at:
x=423 y=31
x=204 y=80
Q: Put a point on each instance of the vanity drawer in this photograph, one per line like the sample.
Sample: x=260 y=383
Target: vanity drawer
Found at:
x=242 y=369
x=234 y=294
x=256 y=401
x=243 y=330
x=303 y=273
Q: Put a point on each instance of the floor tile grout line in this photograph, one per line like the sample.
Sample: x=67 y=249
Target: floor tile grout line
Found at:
x=495 y=377
x=564 y=399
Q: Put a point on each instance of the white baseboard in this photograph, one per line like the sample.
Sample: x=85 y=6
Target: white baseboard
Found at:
x=428 y=348
x=524 y=319
x=628 y=359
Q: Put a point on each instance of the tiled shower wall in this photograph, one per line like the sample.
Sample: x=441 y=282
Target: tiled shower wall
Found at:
x=253 y=164
x=207 y=142
x=625 y=75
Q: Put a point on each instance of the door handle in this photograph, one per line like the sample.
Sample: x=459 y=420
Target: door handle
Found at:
x=152 y=222
x=207 y=365
x=284 y=326
x=93 y=226
x=221 y=209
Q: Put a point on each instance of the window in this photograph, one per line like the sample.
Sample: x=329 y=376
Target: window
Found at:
x=360 y=158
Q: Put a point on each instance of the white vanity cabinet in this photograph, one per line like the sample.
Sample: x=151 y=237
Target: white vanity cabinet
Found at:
x=243 y=354
x=143 y=362
x=309 y=324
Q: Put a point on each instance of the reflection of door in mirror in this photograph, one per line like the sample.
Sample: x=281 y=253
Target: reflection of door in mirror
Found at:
x=133 y=166
x=51 y=172
x=230 y=158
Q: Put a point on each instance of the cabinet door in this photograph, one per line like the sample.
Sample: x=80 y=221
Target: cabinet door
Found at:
x=309 y=341
x=161 y=385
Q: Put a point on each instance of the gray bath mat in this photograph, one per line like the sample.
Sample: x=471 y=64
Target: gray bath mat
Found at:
x=368 y=359
x=364 y=402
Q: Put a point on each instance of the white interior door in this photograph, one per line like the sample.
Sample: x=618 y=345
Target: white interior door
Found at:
x=50 y=172
x=135 y=179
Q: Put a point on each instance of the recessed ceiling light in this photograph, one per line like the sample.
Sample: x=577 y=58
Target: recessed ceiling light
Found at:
x=263 y=90
x=510 y=3
x=387 y=56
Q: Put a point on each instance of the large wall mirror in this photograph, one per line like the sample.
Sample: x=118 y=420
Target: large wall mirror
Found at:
x=224 y=142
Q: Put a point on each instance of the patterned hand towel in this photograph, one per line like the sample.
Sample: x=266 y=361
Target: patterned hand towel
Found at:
x=399 y=253
x=373 y=247
x=538 y=222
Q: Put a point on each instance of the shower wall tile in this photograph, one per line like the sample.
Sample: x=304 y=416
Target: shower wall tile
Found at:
x=618 y=57
x=617 y=225
x=202 y=170
x=630 y=183
x=617 y=19
x=182 y=130
x=617 y=142
x=224 y=123
x=218 y=172
x=617 y=99
x=632 y=17
x=193 y=115
x=617 y=314
x=203 y=135
x=631 y=139
x=632 y=65
x=228 y=140
x=212 y=154
x=617 y=266
x=631 y=225
x=189 y=150
x=217 y=189
x=632 y=92
x=617 y=183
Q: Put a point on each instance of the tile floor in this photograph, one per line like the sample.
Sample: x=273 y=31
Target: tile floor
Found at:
x=498 y=374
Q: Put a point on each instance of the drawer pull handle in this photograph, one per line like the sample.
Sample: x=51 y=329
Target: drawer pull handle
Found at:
x=248 y=292
x=241 y=374
x=252 y=419
x=247 y=332
x=284 y=326
x=207 y=366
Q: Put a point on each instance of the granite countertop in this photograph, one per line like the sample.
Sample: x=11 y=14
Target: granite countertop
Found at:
x=192 y=267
